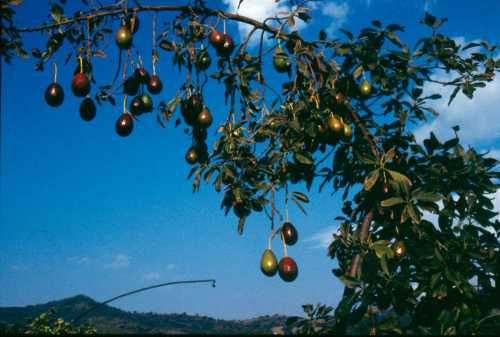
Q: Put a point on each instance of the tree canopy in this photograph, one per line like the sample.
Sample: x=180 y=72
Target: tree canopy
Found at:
x=342 y=121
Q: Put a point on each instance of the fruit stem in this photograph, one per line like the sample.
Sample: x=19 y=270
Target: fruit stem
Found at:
x=278 y=35
x=286 y=202
x=54 y=71
x=285 y=250
x=132 y=22
x=124 y=104
x=81 y=63
x=153 y=33
x=273 y=207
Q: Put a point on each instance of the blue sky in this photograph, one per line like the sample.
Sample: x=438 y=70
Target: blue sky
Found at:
x=84 y=211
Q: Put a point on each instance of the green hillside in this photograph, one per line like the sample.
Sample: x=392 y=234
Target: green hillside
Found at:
x=108 y=319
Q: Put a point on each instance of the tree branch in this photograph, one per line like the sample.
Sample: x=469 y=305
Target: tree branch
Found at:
x=363 y=231
x=166 y=8
x=363 y=129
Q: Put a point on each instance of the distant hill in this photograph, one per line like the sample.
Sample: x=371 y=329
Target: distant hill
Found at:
x=108 y=319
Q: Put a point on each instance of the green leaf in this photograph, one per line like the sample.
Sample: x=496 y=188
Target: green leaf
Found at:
x=394 y=38
x=453 y=95
x=57 y=12
x=421 y=195
x=413 y=213
x=380 y=247
x=383 y=264
x=301 y=196
x=349 y=281
x=357 y=73
x=401 y=179
x=392 y=201
x=371 y=179
x=389 y=155
x=493 y=313
x=299 y=205
x=304 y=158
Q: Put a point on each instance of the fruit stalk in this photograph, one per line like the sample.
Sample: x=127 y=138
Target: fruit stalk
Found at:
x=80 y=59
x=286 y=202
x=124 y=104
x=153 y=36
x=54 y=71
x=285 y=249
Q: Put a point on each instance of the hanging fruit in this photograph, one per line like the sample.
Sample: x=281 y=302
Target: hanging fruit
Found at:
x=142 y=75
x=131 y=86
x=365 y=87
x=289 y=233
x=54 y=94
x=203 y=60
x=347 y=135
x=124 y=125
x=87 y=109
x=135 y=106
x=269 y=263
x=80 y=85
x=123 y=37
x=204 y=118
x=216 y=39
x=191 y=108
x=339 y=98
x=281 y=61
x=335 y=125
x=155 y=85
x=288 y=269
x=191 y=156
x=399 y=248
x=147 y=103
x=227 y=46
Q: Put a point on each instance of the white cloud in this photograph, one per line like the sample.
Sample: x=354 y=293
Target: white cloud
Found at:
x=120 y=261
x=151 y=276
x=337 y=12
x=476 y=117
x=258 y=10
x=322 y=238
x=334 y=12
x=171 y=266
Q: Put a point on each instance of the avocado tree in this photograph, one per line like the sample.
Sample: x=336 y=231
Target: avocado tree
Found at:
x=417 y=237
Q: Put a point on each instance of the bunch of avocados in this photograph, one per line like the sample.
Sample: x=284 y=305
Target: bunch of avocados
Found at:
x=196 y=115
x=141 y=86
x=287 y=267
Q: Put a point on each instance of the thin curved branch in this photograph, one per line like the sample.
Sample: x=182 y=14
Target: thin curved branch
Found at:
x=98 y=305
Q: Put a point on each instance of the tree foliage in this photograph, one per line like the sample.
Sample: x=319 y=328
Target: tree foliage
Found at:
x=47 y=324
x=417 y=236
